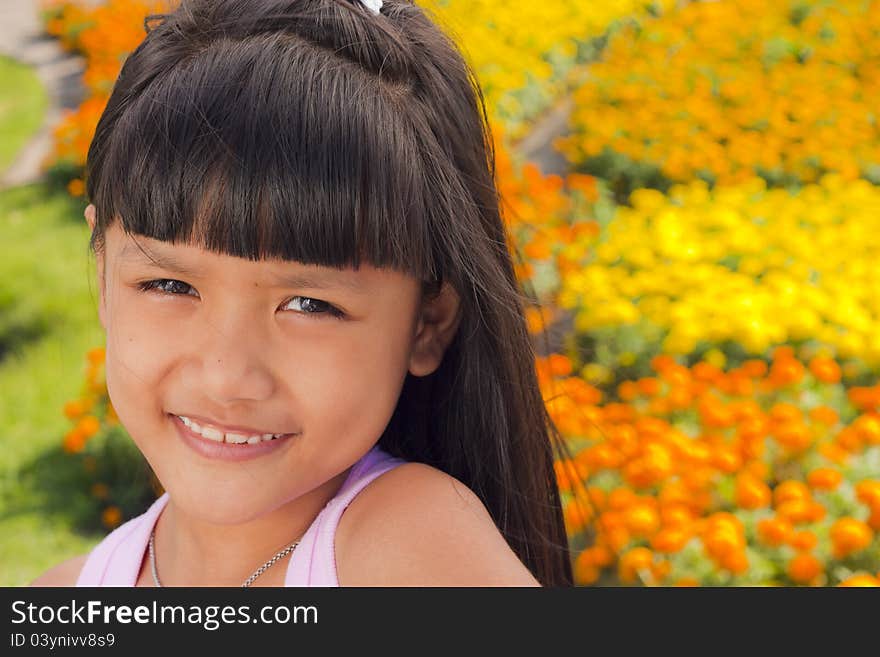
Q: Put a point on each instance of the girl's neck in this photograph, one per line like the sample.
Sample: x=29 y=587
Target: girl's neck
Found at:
x=191 y=552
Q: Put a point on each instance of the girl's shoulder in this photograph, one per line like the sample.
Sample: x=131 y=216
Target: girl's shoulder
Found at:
x=63 y=574
x=416 y=525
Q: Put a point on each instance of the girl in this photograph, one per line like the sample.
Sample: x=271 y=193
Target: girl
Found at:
x=311 y=309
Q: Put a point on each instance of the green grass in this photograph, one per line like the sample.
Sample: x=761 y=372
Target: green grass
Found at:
x=48 y=320
x=23 y=102
x=46 y=269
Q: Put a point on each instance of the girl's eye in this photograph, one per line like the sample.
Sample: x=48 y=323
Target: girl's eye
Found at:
x=308 y=306
x=166 y=285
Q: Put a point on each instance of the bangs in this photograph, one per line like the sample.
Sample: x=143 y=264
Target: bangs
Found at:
x=237 y=150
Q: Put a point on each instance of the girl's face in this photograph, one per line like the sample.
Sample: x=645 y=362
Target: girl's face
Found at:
x=232 y=342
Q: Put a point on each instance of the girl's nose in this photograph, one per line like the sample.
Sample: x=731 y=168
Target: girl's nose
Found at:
x=235 y=362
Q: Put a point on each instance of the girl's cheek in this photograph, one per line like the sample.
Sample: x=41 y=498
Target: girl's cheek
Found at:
x=135 y=353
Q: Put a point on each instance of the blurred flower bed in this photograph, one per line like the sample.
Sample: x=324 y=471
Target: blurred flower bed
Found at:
x=707 y=265
x=755 y=475
x=727 y=90
x=525 y=52
x=742 y=266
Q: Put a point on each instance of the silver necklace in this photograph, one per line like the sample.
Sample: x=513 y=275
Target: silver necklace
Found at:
x=259 y=571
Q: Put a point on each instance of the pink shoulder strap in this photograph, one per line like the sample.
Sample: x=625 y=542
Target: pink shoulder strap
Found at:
x=116 y=560
x=313 y=562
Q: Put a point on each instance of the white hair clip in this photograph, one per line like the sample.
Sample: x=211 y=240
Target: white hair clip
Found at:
x=373 y=5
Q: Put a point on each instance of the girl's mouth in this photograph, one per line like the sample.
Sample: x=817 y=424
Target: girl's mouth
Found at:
x=233 y=437
x=210 y=447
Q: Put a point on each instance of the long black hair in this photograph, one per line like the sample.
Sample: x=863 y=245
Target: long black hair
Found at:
x=317 y=131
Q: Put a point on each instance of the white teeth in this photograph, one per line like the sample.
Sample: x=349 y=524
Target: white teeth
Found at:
x=218 y=436
x=208 y=432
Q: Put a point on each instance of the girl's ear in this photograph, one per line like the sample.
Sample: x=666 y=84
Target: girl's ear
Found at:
x=438 y=321
x=99 y=262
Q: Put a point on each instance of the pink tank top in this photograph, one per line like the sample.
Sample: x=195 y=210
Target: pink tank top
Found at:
x=117 y=559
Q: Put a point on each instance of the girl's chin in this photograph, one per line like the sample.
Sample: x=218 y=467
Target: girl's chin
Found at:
x=222 y=504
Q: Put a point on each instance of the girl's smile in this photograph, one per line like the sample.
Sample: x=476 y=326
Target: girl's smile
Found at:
x=230 y=451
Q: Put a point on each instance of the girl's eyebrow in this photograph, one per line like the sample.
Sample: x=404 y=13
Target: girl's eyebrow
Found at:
x=166 y=261
x=316 y=280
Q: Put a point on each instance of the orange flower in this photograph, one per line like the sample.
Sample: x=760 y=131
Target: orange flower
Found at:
x=583 y=183
x=704 y=371
x=868 y=491
x=76 y=187
x=538 y=249
x=111 y=516
x=662 y=362
x=798 y=510
x=723 y=535
x=817 y=512
x=89 y=426
x=634 y=560
x=750 y=492
x=676 y=515
x=74 y=441
x=849 y=439
x=849 y=535
x=628 y=390
x=649 y=386
x=554 y=365
x=861 y=580
x=585 y=571
x=660 y=570
x=598 y=555
x=795 y=436
x=641 y=520
x=790 y=489
x=868 y=428
x=96 y=356
x=783 y=352
x=535 y=320
x=804 y=568
x=621 y=498
x=726 y=460
x=824 y=415
x=825 y=369
x=73 y=409
x=824 y=478
x=754 y=368
x=670 y=540
x=736 y=562
x=774 y=531
x=99 y=490
x=687 y=581
x=785 y=412
x=834 y=452
x=803 y=540
x=786 y=372
x=616 y=538
x=560 y=365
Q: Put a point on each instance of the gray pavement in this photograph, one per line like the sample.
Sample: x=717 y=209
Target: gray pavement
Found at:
x=22 y=38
